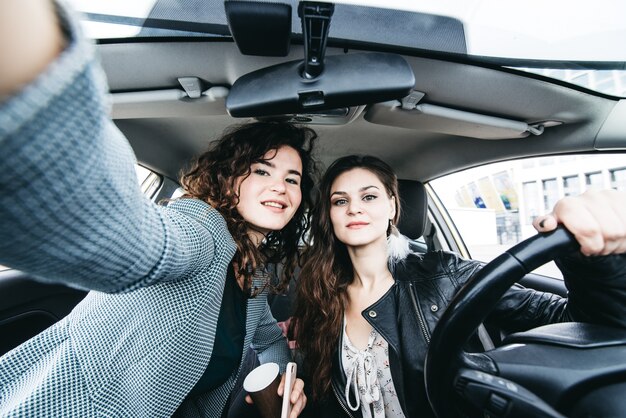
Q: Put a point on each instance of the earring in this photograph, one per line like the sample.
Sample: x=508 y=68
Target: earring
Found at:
x=397 y=244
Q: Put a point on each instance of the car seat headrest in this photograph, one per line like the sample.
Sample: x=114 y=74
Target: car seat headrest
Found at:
x=414 y=208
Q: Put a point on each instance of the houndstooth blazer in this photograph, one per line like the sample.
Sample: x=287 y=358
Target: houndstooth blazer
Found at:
x=71 y=211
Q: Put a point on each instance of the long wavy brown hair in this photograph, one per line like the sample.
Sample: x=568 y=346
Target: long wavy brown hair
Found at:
x=326 y=273
x=213 y=179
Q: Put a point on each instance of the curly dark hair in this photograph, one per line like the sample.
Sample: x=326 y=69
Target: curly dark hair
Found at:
x=213 y=179
x=321 y=292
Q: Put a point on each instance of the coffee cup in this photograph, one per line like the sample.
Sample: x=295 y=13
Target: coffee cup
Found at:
x=262 y=386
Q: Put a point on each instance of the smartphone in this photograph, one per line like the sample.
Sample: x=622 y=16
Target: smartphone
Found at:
x=290 y=378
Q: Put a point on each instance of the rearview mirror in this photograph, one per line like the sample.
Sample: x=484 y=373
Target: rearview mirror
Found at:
x=347 y=80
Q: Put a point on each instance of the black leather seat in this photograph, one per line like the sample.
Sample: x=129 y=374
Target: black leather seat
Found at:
x=414 y=208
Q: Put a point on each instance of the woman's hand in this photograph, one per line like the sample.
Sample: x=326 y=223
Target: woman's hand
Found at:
x=297 y=398
x=30 y=38
x=597 y=219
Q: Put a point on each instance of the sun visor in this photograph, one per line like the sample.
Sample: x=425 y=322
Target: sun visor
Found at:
x=439 y=119
x=169 y=103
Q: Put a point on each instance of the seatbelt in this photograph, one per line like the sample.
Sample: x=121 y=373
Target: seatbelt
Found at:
x=483 y=335
x=429 y=236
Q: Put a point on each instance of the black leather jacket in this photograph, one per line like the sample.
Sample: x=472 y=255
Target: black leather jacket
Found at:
x=407 y=314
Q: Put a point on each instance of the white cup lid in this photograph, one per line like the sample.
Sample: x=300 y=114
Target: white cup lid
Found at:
x=259 y=378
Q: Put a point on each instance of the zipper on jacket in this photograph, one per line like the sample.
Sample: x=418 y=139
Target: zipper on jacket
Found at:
x=341 y=403
x=420 y=315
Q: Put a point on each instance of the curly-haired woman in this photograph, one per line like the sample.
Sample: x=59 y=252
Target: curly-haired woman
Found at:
x=178 y=292
x=358 y=263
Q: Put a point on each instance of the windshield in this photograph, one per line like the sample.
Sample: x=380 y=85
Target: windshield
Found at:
x=580 y=43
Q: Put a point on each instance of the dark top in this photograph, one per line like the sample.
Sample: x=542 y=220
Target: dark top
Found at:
x=231 y=330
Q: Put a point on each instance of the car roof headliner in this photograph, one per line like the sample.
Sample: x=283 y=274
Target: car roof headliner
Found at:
x=166 y=143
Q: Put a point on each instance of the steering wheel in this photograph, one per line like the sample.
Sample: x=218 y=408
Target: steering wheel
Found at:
x=476 y=382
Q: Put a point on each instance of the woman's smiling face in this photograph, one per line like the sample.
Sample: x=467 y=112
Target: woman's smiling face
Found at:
x=360 y=208
x=271 y=194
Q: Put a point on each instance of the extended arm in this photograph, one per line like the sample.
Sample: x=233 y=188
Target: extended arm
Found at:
x=269 y=342
x=71 y=210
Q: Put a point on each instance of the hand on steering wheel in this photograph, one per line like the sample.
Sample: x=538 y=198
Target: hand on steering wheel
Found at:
x=475 y=301
x=597 y=219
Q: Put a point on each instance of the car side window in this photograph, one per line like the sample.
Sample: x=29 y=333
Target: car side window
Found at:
x=150 y=181
x=493 y=206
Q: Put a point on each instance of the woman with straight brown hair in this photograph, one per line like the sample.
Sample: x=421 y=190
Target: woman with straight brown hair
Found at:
x=366 y=305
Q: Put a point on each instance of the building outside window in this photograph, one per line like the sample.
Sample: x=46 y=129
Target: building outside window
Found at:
x=525 y=185
x=594 y=180
x=571 y=186
x=531 y=200
x=618 y=178
x=550 y=194
x=546 y=161
x=567 y=158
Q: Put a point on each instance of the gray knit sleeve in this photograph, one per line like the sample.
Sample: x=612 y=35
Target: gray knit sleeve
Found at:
x=269 y=342
x=71 y=210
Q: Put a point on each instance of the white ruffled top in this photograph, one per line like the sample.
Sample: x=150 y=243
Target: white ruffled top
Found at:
x=369 y=377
